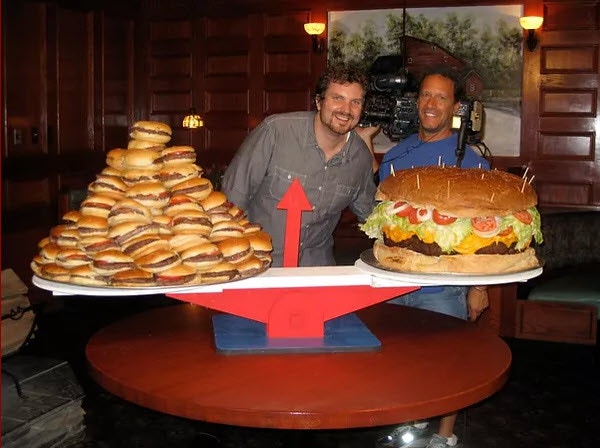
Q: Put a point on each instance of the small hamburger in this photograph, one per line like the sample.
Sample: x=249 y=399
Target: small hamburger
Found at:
x=197 y=188
x=177 y=275
x=447 y=219
x=151 y=131
x=177 y=155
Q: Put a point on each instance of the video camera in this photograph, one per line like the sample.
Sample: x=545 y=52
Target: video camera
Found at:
x=391 y=101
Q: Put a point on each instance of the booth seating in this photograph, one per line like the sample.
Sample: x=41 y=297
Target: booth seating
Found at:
x=564 y=302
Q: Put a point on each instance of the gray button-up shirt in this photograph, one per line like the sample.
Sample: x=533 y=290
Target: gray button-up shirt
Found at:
x=282 y=148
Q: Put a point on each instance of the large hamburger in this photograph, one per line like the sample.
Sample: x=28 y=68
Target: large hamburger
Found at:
x=447 y=219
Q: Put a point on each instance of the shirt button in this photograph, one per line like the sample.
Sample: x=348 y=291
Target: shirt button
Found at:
x=320 y=188
x=289 y=176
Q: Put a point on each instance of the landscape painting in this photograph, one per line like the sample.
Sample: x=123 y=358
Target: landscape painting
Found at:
x=483 y=43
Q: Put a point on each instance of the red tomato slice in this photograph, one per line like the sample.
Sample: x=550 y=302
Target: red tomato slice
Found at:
x=442 y=220
x=486 y=227
x=423 y=214
x=402 y=209
x=412 y=217
x=506 y=231
x=524 y=216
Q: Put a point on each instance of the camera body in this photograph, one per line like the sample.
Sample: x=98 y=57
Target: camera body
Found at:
x=391 y=101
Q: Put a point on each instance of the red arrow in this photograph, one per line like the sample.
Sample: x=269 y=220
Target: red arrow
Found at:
x=295 y=202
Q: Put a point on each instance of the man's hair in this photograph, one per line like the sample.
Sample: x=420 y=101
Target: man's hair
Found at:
x=341 y=74
x=449 y=73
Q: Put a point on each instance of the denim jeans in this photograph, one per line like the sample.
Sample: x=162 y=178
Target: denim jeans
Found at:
x=451 y=300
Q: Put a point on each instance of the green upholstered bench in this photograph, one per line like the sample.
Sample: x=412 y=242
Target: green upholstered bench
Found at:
x=577 y=288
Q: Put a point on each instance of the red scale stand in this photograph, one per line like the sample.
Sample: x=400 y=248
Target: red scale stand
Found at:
x=304 y=316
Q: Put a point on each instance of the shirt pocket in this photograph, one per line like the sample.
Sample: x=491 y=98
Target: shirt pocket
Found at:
x=281 y=179
x=342 y=196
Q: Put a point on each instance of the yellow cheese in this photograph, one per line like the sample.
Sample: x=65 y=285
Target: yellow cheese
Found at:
x=473 y=243
x=397 y=234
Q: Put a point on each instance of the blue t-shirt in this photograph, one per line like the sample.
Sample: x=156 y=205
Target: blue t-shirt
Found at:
x=412 y=152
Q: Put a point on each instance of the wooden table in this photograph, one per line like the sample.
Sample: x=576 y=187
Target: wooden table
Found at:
x=429 y=364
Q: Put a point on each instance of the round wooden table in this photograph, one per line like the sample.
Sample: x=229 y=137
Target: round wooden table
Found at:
x=429 y=364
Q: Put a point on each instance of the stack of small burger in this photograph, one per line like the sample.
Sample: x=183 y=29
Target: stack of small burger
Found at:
x=151 y=219
x=447 y=219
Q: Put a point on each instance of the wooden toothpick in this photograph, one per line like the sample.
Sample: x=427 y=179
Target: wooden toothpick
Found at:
x=525 y=173
x=392 y=170
x=418 y=183
x=531 y=180
x=492 y=198
x=439 y=160
x=448 y=195
x=482 y=176
x=524 y=182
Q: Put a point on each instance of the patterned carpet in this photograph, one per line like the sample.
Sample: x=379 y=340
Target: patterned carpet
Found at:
x=552 y=398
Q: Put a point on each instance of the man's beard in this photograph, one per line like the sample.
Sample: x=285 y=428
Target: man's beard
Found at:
x=339 y=128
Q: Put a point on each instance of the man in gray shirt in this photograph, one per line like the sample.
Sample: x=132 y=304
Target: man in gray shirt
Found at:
x=323 y=151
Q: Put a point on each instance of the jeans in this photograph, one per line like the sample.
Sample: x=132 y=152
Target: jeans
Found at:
x=451 y=300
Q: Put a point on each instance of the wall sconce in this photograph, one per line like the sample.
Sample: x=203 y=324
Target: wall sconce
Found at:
x=314 y=29
x=531 y=23
x=193 y=120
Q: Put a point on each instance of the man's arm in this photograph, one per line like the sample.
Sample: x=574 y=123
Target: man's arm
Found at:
x=249 y=166
x=368 y=134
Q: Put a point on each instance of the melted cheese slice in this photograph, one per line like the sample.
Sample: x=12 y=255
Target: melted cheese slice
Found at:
x=473 y=243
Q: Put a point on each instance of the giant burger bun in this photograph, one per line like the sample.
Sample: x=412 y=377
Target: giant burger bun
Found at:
x=464 y=193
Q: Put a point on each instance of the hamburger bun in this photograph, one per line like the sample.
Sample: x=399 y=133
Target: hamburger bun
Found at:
x=96 y=243
x=141 y=159
x=144 y=244
x=177 y=275
x=125 y=231
x=108 y=185
x=464 y=193
x=197 y=188
x=91 y=225
x=250 y=267
x=179 y=203
x=112 y=172
x=191 y=221
x=84 y=275
x=181 y=242
x=97 y=205
x=216 y=201
x=150 y=194
x=158 y=260
x=67 y=238
x=71 y=257
x=70 y=218
x=219 y=273
x=176 y=155
x=151 y=131
x=235 y=250
x=145 y=144
x=114 y=158
x=163 y=223
x=128 y=210
x=54 y=272
x=406 y=260
x=173 y=174
x=202 y=257
x=49 y=252
x=133 y=278
x=226 y=229
x=111 y=261
x=261 y=244
x=138 y=175
x=43 y=242
x=36 y=264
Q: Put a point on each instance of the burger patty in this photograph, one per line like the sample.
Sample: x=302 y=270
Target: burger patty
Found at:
x=433 y=249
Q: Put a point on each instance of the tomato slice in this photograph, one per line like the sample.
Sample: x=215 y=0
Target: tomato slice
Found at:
x=442 y=220
x=402 y=209
x=486 y=227
x=524 y=216
x=412 y=217
x=506 y=231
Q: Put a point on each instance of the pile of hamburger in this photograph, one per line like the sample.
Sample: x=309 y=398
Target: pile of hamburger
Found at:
x=151 y=219
x=440 y=219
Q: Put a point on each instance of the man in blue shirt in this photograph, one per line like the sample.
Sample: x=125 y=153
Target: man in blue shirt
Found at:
x=435 y=143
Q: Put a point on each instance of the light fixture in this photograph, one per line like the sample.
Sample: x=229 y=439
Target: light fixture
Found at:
x=314 y=29
x=193 y=120
x=530 y=24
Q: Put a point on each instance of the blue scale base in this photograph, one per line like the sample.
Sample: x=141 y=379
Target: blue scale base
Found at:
x=238 y=335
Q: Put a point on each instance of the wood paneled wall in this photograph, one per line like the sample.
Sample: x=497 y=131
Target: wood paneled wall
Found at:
x=78 y=74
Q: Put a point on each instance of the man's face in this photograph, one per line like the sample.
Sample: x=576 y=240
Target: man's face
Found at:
x=436 y=104
x=340 y=107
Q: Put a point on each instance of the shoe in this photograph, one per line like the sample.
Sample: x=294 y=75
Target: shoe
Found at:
x=438 y=441
x=403 y=436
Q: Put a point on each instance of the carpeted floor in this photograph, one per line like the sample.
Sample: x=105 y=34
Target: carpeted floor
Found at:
x=551 y=400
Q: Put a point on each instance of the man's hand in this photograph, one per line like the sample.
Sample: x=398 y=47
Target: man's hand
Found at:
x=477 y=301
